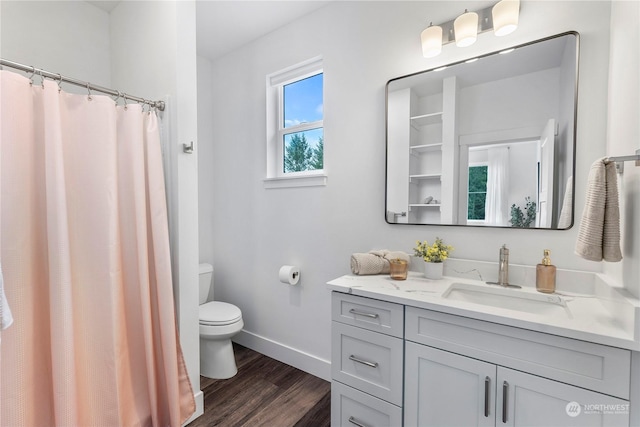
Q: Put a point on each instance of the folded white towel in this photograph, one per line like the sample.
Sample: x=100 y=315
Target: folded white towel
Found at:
x=375 y=262
x=599 y=233
x=6 y=319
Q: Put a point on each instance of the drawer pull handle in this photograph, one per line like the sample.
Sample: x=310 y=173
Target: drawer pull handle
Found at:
x=356 y=422
x=505 y=391
x=364 y=362
x=361 y=313
x=487 y=384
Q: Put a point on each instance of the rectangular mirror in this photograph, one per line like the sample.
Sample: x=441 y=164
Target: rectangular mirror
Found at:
x=486 y=142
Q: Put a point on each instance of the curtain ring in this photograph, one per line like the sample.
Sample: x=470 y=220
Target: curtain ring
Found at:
x=118 y=98
x=41 y=78
x=89 y=92
x=124 y=96
x=59 y=82
x=33 y=73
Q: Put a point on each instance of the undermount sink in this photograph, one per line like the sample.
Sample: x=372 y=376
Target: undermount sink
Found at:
x=510 y=299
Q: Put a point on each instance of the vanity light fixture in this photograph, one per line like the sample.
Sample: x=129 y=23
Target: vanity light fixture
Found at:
x=466 y=28
x=431 y=41
x=505 y=17
x=501 y=18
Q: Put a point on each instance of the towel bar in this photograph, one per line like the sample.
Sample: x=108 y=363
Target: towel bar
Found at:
x=621 y=159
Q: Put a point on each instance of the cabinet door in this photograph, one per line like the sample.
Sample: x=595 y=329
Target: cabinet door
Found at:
x=528 y=400
x=445 y=389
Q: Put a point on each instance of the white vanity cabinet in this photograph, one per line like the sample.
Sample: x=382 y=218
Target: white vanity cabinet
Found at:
x=395 y=364
x=446 y=389
x=366 y=362
x=460 y=371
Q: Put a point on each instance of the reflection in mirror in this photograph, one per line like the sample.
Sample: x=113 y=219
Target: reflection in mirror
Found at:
x=486 y=142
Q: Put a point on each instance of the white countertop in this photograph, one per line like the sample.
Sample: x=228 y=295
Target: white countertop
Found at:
x=603 y=314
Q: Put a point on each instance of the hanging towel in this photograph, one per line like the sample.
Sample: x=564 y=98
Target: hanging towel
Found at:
x=375 y=262
x=567 y=209
x=6 y=319
x=599 y=233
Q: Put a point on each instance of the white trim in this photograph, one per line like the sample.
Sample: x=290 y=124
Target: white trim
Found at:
x=302 y=127
x=309 y=363
x=295 y=72
x=293 y=181
x=476 y=221
x=503 y=135
x=478 y=164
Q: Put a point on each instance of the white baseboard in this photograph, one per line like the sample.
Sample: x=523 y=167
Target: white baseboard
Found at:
x=199 y=397
x=298 y=359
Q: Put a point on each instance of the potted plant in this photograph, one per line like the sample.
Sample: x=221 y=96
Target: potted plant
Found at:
x=518 y=218
x=434 y=256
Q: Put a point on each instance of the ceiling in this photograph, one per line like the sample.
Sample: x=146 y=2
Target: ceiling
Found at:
x=223 y=26
x=106 y=5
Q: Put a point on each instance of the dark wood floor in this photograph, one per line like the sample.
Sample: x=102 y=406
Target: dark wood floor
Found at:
x=265 y=392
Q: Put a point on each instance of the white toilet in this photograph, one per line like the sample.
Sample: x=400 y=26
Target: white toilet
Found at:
x=219 y=321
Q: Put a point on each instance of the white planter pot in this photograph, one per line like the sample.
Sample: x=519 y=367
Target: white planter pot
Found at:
x=433 y=270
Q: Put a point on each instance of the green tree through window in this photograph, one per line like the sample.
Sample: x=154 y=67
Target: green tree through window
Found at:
x=477 y=192
x=317 y=155
x=297 y=154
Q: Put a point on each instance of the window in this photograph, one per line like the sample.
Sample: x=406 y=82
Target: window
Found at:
x=477 y=194
x=302 y=132
x=295 y=128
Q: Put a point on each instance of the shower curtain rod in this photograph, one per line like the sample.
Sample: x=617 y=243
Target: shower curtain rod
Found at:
x=58 y=77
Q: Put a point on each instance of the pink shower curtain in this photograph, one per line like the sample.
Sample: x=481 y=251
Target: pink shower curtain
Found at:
x=86 y=263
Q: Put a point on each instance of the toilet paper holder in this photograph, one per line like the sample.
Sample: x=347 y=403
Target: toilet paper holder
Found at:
x=289 y=274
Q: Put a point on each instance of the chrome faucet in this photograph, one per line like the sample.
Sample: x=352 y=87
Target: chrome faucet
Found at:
x=503 y=266
x=503 y=269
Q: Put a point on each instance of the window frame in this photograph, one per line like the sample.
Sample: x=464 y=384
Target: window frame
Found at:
x=276 y=131
x=476 y=221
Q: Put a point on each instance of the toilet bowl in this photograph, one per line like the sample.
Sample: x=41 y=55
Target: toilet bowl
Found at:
x=219 y=321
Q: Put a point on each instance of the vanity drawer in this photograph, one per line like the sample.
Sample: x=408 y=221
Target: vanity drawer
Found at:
x=372 y=314
x=350 y=407
x=592 y=366
x=368 y=361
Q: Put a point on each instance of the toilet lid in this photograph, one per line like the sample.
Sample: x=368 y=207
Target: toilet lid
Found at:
x=216 y=313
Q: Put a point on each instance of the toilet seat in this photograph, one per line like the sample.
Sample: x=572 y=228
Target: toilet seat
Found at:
x=217 y=313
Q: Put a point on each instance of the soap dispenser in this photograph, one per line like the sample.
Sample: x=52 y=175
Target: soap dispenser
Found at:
x=546 y=275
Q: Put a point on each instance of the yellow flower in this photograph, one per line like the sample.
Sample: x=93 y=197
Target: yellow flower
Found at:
x=437 y=252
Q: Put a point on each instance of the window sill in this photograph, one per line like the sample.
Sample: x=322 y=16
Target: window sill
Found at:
x=296 y=181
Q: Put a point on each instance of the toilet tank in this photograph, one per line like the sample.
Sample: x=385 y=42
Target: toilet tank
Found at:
x=206 y=282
